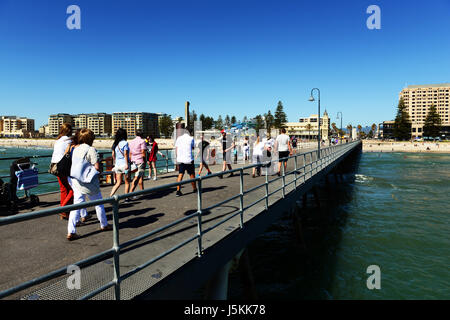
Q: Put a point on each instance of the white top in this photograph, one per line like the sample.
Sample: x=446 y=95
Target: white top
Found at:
x=283 y=142
x=258 y=149
x=60 y=148
x=90 y=154
x=184 y=146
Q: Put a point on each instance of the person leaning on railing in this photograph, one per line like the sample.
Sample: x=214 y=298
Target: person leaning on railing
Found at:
x=85 y=181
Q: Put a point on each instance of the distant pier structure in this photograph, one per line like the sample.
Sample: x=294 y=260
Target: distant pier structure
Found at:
x=186 y=113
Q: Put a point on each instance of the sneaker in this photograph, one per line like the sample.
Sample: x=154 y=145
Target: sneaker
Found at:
x=178 y=194
x=107 y=228
x=127 y=200
x=209 y=173
x=155 y=178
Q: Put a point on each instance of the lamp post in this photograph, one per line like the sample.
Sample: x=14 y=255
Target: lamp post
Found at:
x=318 y=120
x=341 y=120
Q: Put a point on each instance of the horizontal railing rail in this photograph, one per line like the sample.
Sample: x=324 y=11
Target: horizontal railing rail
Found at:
x=327 y=156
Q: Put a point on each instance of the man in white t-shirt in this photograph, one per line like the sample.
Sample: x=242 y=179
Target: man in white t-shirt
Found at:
x=184 y=147
x=283 y=145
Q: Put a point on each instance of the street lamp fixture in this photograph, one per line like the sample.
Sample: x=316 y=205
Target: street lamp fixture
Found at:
x=311 y=98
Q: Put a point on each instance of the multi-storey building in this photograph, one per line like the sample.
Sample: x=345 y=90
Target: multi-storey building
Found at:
x=307 y=128
x=131 y=121
x=55 y=121
x=418 y=100
x=16 y=126
x=99 y=123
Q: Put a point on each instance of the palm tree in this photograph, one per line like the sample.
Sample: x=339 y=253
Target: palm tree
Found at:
x=308 y=127
x=349 y=128
x=359 y=130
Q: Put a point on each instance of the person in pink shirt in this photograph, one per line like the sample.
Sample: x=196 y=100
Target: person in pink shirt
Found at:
x=138 y=149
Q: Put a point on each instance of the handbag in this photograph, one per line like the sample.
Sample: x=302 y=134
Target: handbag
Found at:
x=62 y=168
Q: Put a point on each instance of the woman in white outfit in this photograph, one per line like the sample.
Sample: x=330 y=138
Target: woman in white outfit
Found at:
x=84 y=151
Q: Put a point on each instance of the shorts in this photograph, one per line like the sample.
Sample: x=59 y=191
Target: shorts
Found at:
x=257 y=160
x=189 y=167
x=120 y=168
x=283 y=154
x=226 y=157
x=140 y=169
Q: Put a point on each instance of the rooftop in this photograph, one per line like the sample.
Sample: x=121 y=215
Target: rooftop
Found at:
x=429 y=86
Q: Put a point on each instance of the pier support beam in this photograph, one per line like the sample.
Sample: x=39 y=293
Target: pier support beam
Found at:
x=217 y=287
x=247 y=280
x=316 y=196
x=297 y=222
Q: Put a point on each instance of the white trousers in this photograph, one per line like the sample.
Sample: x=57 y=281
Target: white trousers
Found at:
x=83 y=212
x=74 y=216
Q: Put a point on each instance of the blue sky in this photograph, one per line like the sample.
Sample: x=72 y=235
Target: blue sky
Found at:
x=224 y=56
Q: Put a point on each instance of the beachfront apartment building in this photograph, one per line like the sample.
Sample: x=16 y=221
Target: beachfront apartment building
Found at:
x=131 y=121
x=55 y=121
x=307 y=128
x=13 y=126
x=99 y=123
x=418 y=100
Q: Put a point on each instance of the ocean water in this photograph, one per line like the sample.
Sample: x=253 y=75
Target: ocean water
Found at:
x=392 y=212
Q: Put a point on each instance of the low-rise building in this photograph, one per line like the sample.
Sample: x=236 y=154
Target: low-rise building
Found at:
x=307 y=128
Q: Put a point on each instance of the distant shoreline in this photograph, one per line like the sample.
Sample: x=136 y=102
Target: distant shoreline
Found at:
x=409 y=147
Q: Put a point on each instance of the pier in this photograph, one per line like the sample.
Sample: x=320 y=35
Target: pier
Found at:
x=162 y=246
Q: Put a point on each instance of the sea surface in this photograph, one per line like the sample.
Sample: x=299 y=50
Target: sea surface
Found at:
x=392 y=211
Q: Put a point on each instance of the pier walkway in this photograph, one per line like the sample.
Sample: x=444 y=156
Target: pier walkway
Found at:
x=163 y=238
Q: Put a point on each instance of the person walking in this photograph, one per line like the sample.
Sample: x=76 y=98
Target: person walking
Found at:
x=184 y=147
x=85 y=181
x=257 y=156
x=283 y=145
x=203 y=152
x=121 y=159
x=226 y=153
x=62 y=145
x=138 y=152
x=153 y=150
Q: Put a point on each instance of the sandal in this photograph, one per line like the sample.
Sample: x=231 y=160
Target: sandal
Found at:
x=72 y=236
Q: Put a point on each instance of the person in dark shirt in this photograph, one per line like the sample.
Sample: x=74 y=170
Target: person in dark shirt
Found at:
x=203 y=152
x=226 y=153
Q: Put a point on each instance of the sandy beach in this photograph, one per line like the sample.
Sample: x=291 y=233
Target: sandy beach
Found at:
x=424 y=147
x=48 y=143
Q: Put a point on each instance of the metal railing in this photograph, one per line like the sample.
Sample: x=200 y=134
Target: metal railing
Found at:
x=327 y=156
x=167 y=159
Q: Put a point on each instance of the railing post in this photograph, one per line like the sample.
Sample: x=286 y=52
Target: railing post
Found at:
x=284 y=180
x=116 y=247
x=267 y=189
x=241 y=204
x=295 y=171
x=199 y=216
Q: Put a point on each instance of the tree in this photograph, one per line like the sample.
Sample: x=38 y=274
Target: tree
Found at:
x=349 y=128
x=433 y=123
x=166 y=126
x=218 y=124
x=308 y=127
x=280 y=116
x=192 y=118
x=359 y=127
x=402 y=124
x=233 y=120
x=269 y=119
x=227 y=121
x=259 y=123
